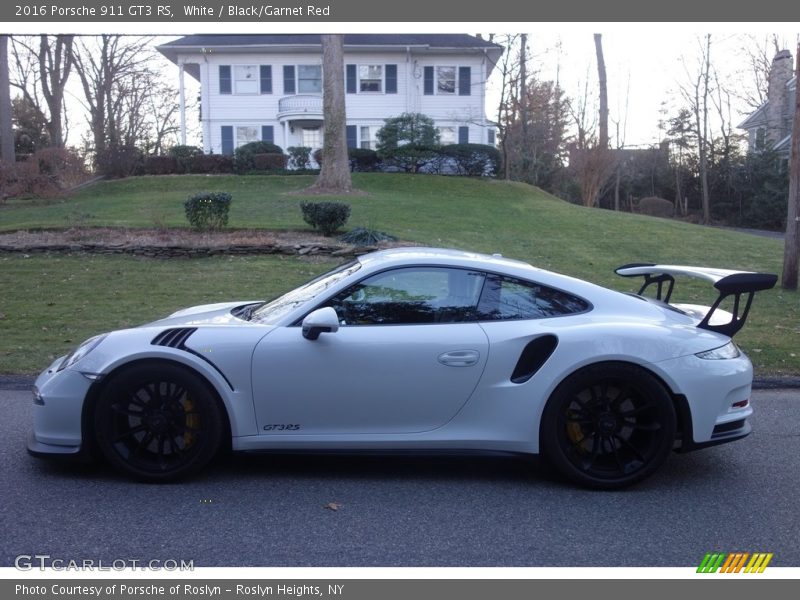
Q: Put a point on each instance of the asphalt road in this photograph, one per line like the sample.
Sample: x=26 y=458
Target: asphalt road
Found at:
x=270 y=510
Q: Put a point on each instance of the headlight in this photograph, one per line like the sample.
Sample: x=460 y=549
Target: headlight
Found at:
x=729 y=350
x=81 y=351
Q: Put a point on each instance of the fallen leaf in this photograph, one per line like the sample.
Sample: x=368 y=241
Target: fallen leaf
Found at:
x=333 y=506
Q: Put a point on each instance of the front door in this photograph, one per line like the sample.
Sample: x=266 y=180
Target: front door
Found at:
x=406 y=358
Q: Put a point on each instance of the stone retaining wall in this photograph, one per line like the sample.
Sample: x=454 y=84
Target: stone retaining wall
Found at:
x=177 y=251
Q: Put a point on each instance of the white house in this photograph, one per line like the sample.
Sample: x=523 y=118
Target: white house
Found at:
x=269 y=87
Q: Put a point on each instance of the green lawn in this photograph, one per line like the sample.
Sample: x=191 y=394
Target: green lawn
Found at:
x=47 y=300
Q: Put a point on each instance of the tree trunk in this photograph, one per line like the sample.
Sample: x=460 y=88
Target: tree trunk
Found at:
x=334 y=175
x=702 y=132
x=523 y=104
x=601 y=75
x=7 y=154
x=55 y=64
x=791 y=248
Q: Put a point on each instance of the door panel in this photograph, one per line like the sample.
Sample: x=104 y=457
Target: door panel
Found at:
x=367 y=378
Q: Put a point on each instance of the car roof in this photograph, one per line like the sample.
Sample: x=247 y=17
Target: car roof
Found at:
x=444 y=256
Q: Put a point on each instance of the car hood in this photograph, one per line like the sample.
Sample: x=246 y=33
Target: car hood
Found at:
x=221 y=313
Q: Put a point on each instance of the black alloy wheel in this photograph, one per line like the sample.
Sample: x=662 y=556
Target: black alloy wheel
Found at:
x=608 y=426
x=158 y=422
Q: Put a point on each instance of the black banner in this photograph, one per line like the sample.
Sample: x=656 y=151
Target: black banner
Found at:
x=398 y=589
x=362 y=11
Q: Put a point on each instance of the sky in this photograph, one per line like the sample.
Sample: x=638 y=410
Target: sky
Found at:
x=648 y=63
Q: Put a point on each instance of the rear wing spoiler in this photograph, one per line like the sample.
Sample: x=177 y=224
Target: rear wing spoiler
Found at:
x=728 y=283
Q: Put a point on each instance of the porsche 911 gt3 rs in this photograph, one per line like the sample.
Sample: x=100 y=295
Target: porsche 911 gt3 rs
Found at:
x=416 y=349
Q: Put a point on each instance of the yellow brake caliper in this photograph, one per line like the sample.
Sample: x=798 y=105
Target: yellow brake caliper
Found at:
x=192 y=422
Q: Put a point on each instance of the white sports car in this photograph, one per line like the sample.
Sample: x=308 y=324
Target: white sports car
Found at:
x=416 y=349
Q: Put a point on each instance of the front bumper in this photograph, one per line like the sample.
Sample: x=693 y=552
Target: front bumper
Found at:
x=57 y=412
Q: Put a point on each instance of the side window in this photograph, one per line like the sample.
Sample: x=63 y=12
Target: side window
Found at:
x=411 y=296
x=506 y=298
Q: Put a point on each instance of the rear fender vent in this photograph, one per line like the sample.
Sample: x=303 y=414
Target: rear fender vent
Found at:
x=533 y=357
x=174 y=338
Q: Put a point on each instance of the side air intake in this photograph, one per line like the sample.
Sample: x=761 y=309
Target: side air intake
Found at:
x=174 y=338
x=533 y=357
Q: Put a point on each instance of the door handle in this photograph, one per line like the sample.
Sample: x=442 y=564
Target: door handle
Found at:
x=460 y=358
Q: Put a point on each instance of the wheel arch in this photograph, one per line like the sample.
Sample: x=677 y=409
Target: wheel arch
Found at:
x=88 y=440
x=681 y=405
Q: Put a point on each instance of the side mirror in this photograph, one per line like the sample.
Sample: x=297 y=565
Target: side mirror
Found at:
x=322 y=320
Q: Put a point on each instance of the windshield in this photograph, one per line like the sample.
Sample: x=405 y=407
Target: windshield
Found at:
x=274 y=311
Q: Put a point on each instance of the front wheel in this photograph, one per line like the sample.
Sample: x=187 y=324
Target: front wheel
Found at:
x=158 y=422
x=608 y=426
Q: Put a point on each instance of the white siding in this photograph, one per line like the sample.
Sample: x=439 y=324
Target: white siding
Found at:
x=363 y=108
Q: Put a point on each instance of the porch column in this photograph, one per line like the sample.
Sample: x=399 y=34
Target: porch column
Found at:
x=182 y=95
x=285 y=135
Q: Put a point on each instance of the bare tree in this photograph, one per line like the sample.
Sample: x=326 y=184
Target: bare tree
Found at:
x=697 y=95
x=601 y=76
x=43 y=68
x=7 y=154
x=334 y=174
x=791 y=249
x=109 y=67
x=509 y=72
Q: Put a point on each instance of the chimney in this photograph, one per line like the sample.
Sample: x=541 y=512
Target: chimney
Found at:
x=778 y=109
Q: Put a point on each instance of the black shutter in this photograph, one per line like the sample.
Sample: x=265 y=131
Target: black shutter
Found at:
x=266 y=79
x=288 y=79
x=352 y=83
x=227 y=139
x=464 y=81
x=268 y=134
x=428 y=87
x=391 y=79
x=352 y=136
x=463 y=134
x=224 y=79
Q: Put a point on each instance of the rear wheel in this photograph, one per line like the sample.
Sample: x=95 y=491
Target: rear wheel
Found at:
x=608 y=426
x=158 y=422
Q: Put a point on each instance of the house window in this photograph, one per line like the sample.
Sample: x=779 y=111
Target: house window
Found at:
x=224 y=79
x=490 y=139
x=370 y=78
x=445 y=80
x=366 y=138
x=761 y=138
x=312 y=137
x=246 y=134
x=463 y=134
x=447 y=135
x=309 y=79
x=246 y=79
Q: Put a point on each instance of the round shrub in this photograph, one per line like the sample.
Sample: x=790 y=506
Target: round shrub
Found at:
x=243 y=155
x=183 y=156
x=326 y=217
x=299 y=157
x=208 y=211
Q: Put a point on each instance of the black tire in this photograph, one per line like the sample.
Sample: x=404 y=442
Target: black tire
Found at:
x=608 y=426
x=158 y=422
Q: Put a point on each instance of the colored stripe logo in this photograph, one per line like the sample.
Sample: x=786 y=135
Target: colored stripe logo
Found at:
x=736 y=562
